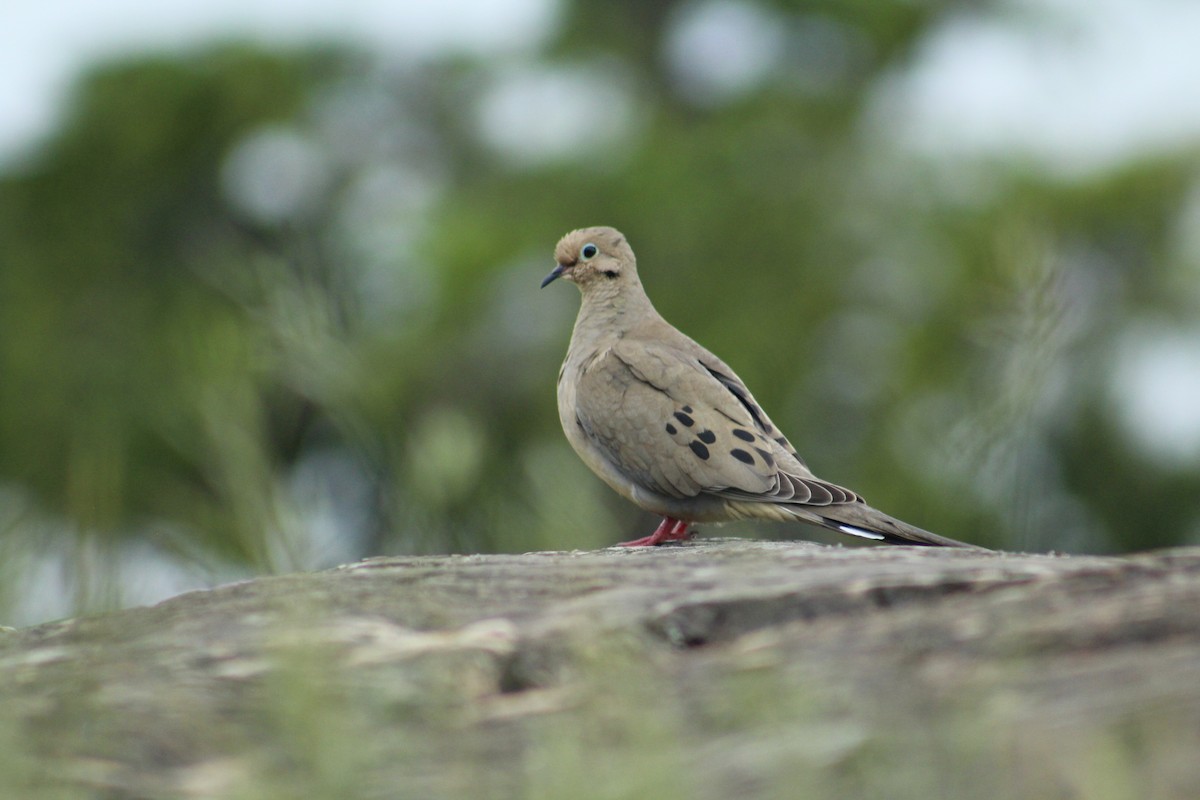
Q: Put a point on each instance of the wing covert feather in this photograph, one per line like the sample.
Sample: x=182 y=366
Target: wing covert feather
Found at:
x=680 y=427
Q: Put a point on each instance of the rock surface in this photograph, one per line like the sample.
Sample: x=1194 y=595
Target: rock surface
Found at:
x=716 y=669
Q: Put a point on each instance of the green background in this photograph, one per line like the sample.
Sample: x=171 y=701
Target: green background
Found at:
x=265 y=310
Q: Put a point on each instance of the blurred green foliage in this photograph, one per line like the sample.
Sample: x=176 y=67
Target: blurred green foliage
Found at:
x=272 y=310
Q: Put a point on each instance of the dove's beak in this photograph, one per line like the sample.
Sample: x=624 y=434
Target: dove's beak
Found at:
x=554 y=275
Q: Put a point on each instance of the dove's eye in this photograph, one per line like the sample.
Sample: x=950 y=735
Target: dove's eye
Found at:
x=589 y=250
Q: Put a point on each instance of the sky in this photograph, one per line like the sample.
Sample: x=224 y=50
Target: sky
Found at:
x=1076 y=84
x=45 y=44
x=1079 y=85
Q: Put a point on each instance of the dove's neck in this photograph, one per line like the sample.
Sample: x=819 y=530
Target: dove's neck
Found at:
x=607 y=314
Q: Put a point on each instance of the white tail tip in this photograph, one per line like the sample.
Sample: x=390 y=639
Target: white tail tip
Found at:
x=860 y=532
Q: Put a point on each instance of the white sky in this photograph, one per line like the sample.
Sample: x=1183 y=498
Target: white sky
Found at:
x=1077 y=84
x=44 y=44
x=1165 y=423
x=1089 y=83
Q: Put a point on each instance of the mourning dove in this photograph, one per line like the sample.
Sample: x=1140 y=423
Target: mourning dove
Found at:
x=671 y=427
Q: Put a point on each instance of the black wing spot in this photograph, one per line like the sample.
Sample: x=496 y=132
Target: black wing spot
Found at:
x=767 y=458
x=745 y=436
x=684 y=419
x=706 y=436
x=742 y=456
x=671 y=429
x=687 y=409
x=700 y=450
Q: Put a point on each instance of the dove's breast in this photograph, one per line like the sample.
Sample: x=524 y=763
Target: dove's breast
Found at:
x=576 y=431
x=601 y=454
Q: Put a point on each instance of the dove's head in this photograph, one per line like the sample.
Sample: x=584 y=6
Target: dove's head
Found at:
x=598 y=260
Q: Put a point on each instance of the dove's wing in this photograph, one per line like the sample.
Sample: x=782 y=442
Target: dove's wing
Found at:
x=680 y=423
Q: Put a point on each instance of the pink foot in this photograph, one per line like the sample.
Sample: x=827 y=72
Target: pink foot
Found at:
x=670 y=530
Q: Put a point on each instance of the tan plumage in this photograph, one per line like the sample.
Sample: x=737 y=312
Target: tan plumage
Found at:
x=670 y=426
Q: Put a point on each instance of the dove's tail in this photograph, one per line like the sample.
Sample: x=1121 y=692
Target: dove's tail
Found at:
x=859 y=519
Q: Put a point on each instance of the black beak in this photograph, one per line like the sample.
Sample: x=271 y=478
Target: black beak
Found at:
x=554 y=275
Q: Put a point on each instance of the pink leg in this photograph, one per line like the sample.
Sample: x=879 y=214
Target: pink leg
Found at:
x=670 y=530
x=680 y=532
